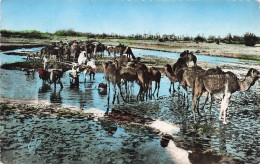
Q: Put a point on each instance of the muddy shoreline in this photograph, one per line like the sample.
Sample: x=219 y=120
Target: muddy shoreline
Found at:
x=27 y=108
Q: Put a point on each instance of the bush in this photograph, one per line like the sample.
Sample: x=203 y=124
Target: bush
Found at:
x=25 y=34
x=250 y=39
x=186 y=38
x=199 y=39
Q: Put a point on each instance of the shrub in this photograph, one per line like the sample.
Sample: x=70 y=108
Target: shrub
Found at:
x=199 y=39
x=250 y=39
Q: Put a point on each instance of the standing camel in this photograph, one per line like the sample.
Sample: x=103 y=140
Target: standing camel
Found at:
x=55 y=77
x=167 y=70
x=154 y=74
x=135 y=72
x=112 y=75
x=171 y=72
x=223 y=83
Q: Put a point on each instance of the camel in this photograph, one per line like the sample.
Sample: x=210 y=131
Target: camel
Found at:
x=225 y=84
x=171 y=72
x=119 y=49
x=189 y=56
x=109 y=49
x=55 y=77
x=136 y=72
x=66 y=51
x=154 y=74
x=100 y=48
x=167 y=70
x=75 y=50
x=128 y=51
x=112 y=75
x=122 y=60
x=187 y=76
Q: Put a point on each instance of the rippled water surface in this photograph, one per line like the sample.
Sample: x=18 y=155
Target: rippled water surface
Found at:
x=50 y=140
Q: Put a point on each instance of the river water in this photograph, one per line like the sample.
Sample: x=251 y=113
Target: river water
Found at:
x=51 y=140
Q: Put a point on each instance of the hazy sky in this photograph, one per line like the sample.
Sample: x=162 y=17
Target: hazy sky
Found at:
x=181 y=17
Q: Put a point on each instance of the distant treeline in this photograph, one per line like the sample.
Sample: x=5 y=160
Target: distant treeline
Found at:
x=248 y=39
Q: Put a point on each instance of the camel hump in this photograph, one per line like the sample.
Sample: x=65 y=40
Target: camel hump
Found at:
x=196 y=67
x=214 y=82
x=214 y=71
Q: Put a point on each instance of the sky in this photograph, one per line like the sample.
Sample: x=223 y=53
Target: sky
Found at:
x=124 y=17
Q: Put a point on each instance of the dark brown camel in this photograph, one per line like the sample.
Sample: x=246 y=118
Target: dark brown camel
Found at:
x=224 y=83
x=189 y=56
x=171 y=72
x=128 y=51
x=55 y=77
x=99 y=49
x=135 y=72
x=119 y=49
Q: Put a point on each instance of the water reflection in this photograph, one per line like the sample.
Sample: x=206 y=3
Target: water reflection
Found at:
x=55 y=96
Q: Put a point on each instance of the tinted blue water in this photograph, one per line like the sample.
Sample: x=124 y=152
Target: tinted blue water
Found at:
x=209 y=59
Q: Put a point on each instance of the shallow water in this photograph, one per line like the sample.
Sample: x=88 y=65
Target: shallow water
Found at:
x=81 y=141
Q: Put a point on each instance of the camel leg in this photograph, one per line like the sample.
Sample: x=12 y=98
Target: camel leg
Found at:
x=196 y=97
x=120 y=91
x=205 y=101
x=85 y=75
x=211 y=102
x=158 y=89
x=156 y=85
x=61 y=86
x=224 y=106
x=108 y=96
x=173 y=89
x=126 y=91
x=114 y=96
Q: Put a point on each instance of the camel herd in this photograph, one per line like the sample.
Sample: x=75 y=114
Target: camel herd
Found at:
x=213 y=81
x=128 y=69
x=70 y=51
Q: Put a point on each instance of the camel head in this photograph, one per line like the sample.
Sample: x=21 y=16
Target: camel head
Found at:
x=167 y=68
x=253 y=73
x=250 y=79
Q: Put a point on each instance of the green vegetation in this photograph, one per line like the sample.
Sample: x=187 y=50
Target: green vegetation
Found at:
x=199 y=39
x=25 y=34
x=250 y=39
x=246 y=57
